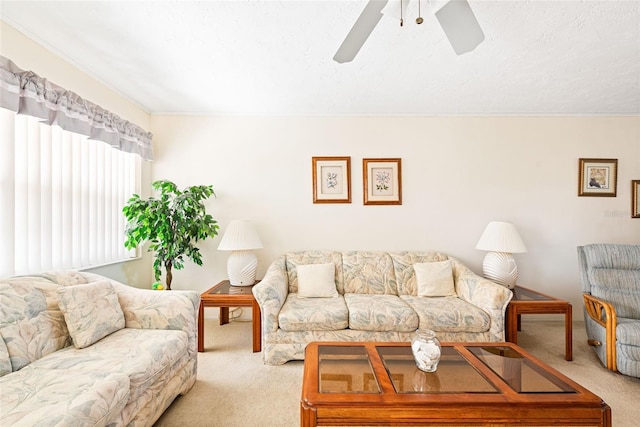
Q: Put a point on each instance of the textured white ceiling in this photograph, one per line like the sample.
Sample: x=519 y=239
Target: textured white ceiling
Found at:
x=275 y=57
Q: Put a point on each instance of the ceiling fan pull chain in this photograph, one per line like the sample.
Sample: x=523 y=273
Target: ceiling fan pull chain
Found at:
x=419 y=19
x=401 y=20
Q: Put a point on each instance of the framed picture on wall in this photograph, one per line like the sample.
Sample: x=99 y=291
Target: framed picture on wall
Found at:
x=635 y=198
x=331 y=179
x=382 y=181
x=598 y=177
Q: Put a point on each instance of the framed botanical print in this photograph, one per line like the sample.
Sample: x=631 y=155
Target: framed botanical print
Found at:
x=598 y=177
x=331 y=179
x=382 y=181
x=635 y=198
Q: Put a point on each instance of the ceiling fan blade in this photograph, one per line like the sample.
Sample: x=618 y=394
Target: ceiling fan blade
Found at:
x=360 y=31
x=460 y=26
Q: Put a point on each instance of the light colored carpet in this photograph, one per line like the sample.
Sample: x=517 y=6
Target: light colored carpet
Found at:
x=235 y=389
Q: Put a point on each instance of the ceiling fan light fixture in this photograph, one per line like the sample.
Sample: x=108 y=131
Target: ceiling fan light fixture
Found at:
x=460 y=26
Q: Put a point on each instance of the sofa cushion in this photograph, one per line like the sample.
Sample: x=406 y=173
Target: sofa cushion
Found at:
x=39 y=397
x=448 y=314
x=92 y=311
x=317 y=281
x=154 y=352
x=313 y=314
x=5 y=361
x=294 y=259
x=435 y=279
x=404 y=271
x=31 y=322
x=380 y=313
x=368 y=273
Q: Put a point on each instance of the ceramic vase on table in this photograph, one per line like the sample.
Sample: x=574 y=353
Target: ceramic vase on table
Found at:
x=426 y=350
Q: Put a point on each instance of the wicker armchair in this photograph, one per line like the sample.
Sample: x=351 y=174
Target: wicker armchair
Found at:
x=610 y=275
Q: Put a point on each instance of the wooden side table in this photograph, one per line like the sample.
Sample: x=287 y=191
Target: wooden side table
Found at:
x=528 y=301
x=224 y=295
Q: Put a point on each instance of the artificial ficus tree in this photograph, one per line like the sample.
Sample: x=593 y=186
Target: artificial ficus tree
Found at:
x=172 y=224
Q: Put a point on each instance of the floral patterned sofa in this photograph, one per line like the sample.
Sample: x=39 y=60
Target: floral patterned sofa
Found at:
x=379 y=296
x=79 y=349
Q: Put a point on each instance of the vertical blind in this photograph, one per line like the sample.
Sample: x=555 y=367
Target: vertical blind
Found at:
x=61 y=197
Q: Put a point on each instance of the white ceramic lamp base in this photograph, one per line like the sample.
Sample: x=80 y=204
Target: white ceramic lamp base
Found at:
x=241 y=268
x=501 y=268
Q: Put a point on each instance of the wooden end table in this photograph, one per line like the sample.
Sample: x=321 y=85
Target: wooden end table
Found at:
x=224 y=295
x=528 y=301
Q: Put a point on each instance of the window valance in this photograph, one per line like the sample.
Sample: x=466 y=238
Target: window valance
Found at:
x=24 y=92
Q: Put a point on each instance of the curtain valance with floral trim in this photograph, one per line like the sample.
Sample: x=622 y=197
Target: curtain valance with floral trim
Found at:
x=27 y=93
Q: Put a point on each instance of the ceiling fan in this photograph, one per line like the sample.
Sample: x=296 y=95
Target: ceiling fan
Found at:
x=455 y=17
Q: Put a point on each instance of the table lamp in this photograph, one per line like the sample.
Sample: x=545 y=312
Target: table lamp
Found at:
x=241 y=238
x=501 y=239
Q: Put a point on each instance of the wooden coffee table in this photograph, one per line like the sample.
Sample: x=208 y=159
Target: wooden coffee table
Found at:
x=361 y=384
x=224 y=295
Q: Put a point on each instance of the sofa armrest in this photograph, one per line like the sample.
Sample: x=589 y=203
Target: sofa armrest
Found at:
x=271 y=293
x=149 y=309
x=489 y=296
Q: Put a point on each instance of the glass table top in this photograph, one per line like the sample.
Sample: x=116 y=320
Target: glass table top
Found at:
x=523 y=294
x=348 y=369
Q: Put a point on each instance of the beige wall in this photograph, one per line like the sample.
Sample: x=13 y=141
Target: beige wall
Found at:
x=458 y=174
x=30 y=55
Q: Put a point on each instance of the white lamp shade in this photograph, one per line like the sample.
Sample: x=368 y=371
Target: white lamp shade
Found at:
x=240 y=236
x=501 y=237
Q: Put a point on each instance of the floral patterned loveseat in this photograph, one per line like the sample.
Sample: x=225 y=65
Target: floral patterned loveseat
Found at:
x=78 y=349
x=378 y=296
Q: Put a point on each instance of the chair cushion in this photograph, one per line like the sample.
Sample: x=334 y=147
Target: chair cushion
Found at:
x=154 y=353
x=313 y=314
x=448 y=314
x=628 y=333
x=317 y=281
x=613 y=274
x=91 y=311
x=380 y=313
x=39 y=397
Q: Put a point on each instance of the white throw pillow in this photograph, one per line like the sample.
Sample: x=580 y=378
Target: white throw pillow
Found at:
x=317 y=281
x=435 y=279
x=91 y=311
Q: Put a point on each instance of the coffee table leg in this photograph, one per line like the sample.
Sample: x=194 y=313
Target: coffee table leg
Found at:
x=201 y=328
x=308 y=416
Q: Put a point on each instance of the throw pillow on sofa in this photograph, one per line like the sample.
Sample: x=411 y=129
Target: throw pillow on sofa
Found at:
x=435 y=279
x=317 y=281
x=91 y=311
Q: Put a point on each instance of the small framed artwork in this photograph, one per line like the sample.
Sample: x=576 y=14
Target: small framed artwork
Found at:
x=331 y=179
x=382 y=180
x=598 y=177
x=635 y=198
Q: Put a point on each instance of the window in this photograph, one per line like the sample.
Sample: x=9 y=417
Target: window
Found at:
x=61 y=197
